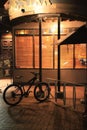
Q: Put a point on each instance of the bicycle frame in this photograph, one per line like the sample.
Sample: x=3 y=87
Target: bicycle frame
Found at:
x=17 y=91
x=30 y=83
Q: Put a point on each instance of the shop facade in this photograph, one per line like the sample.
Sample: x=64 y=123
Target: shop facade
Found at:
x=36 y=49
x=37 y=26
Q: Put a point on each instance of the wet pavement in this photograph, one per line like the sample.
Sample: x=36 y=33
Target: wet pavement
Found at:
x=29 y=114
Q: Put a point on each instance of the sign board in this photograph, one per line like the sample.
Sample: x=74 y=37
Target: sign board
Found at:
x=19 y=8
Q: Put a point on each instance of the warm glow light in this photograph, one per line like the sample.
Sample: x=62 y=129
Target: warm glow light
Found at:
x=56 y=53
x=37 y=7
x=44 y=46
x=61 y=27
x=22 y=32
x=15 y=7
x=6 y=5
x=54 y=28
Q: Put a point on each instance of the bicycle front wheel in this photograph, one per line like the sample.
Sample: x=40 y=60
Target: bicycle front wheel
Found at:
x=12 y=95
x=42 y=91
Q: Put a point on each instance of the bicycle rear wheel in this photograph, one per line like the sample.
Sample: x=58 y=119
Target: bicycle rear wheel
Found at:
x=42 y=91
x=12 y=95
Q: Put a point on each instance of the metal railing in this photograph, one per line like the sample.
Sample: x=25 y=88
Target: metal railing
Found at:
x=63 y=94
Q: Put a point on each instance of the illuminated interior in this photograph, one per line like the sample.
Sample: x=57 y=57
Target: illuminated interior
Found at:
x=27 y=48
x=73 y=56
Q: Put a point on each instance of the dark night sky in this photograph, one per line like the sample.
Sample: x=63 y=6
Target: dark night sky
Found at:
x=2 y=3
x=82 y=2
x=76 y=2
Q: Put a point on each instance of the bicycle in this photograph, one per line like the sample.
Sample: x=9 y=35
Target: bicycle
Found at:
x=14 y=93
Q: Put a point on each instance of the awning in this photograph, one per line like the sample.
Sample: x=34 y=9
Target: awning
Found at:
x=77 y=37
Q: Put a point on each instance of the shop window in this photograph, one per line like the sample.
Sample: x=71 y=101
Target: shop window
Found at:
x=24 y=51
x=47 y=52
x=66 y=54
x=80 y=56
x=27 y=51
x=55 y=52
x=73 y=56
x=36 y=51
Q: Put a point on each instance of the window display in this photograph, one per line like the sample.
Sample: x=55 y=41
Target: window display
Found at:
x=80 y=55
x=72 y=56
x=47 y=52
x=24 y=51
x=66 y=56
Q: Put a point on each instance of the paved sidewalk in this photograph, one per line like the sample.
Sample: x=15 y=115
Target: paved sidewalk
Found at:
x=32 y=115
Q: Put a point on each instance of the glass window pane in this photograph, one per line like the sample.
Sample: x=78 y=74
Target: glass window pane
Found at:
x=80 y=56
x=36 y=45
x=55 y=55
x=23 y=52
x=47 y=52
x=66 y=56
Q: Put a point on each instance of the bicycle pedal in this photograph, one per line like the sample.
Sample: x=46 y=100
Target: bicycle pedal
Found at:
x=26 y=96
x=30 y=91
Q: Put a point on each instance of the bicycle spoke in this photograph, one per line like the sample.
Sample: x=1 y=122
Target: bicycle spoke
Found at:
x=12 y=95
x=41 y=91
